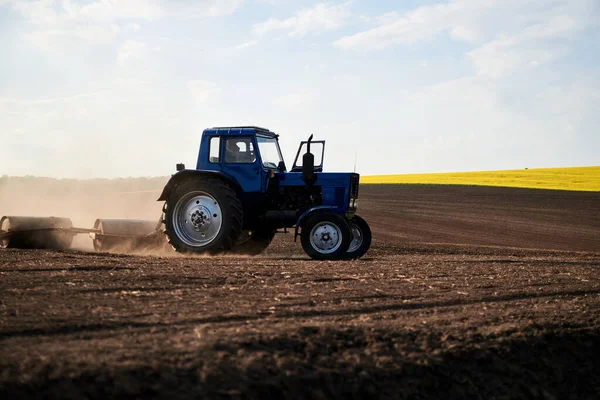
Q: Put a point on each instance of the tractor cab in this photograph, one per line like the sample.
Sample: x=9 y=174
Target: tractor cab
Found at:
x=246 y=154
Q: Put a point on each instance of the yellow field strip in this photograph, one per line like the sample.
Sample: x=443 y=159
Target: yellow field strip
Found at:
x=575 y=178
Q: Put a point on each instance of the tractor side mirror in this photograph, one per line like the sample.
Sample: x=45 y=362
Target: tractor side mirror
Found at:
x=308 y=165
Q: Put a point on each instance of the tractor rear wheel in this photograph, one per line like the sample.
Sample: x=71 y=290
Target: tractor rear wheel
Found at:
x=253 y=243
x=203 y=216
x=325 y=236
x=361 y=238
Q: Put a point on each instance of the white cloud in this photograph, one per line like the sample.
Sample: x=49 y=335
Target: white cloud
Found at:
x=207 y=8
x=132 y=27
x=464 y=20
x=48 y=38
x=55 y=23
x=130 y=50
x=422 y=23
x=203 y=91
x=37 y=12
x=114 y=9
x=153 y=9
x=512 y=34
x=529 y=48
x=247 y=44
x=322 y=17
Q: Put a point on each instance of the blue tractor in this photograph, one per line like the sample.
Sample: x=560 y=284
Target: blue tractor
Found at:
x=241 y=193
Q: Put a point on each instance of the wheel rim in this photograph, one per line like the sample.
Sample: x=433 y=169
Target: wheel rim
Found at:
x=197 y=219
x=357 y=238
x=326 y=237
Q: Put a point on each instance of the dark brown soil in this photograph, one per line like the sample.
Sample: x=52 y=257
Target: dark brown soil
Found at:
x=466 y=293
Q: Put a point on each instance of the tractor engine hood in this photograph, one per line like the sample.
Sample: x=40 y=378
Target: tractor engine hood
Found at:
x=338 y=189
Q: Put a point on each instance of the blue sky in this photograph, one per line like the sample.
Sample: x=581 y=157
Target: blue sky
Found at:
x=108 y=88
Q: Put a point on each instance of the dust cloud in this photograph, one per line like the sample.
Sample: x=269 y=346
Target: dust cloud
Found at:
x=83 y=201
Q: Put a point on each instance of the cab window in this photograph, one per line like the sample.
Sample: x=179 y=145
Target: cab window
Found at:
x=213 y=150
x=239 y=151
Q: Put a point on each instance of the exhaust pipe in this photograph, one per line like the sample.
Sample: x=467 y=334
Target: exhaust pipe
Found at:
x=308 y=165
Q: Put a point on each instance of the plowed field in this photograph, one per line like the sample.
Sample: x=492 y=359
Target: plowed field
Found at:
x=467 y=292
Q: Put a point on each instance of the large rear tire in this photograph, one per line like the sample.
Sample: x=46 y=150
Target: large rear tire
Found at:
x=203 y=216
x=325 y=236
x=361 y=238
x=252 y=243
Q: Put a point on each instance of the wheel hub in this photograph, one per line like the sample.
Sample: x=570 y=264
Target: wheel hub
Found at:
x=197 y=219
x=325 y=237
x=200 y=219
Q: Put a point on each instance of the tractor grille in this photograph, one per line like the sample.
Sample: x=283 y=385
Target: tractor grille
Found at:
x=354 y=179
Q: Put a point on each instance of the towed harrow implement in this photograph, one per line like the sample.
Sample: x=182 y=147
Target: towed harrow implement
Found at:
x=58 y=233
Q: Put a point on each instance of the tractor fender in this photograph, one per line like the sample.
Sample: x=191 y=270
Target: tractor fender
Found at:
x=186 y=174
x=305 y=214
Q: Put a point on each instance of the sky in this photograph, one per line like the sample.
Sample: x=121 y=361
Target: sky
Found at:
x=120 y=88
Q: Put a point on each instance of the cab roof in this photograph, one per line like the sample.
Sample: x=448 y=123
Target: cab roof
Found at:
x=240 y=130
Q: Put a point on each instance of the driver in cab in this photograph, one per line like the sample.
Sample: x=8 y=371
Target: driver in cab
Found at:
x=237 y=152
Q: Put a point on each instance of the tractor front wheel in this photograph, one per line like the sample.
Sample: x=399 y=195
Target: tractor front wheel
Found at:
x=326 y=236
x=203 y=216
x=361 y=238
